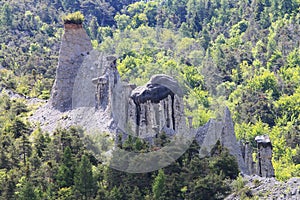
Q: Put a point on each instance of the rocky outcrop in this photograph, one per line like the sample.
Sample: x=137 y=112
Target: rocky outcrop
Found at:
x=75 y=46
x=223 y=131
x=256 y=187
x=88 y=92
x=264 y=157
x=247 y=152
x=156 y=106
x=84 y=96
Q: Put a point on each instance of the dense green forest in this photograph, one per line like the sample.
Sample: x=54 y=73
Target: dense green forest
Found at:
x=244 y=54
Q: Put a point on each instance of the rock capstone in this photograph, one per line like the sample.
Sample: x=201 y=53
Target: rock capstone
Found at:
x=156 y=106
x=264 y=156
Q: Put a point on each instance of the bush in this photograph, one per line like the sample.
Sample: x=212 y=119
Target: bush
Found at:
x=238 y=184
x=73 y=18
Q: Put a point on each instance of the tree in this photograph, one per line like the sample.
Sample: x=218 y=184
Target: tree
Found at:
x=83 y=180
x=18 y=107
x=65 y=194
x=211 y=187
x=17 y=127
x=25 y=190
x=158 y=185
x=40 y=141
x=123 y=21
x=70 y=4
x=65 y=175
x=93 y=28
x=136 y=194
x=6 y=15
x=115 y=193
x=226 y=164
x=25 y=149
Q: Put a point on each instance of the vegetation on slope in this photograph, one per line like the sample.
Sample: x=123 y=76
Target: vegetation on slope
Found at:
x=243 y=54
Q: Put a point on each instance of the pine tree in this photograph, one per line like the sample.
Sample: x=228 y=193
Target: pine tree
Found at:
x=65 y=175
x=6 y=15
x=158 y=185
x=115 y=194
x=26 y=190
x=83 y=179
x=136 y=194
x=25 y=148
x=40 y=141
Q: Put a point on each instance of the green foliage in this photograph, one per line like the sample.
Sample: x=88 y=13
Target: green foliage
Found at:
x=253 y=67
x=6 y=17
x=65 y=194
x=136 y=194
x=65 y=174
x=83 y=179
x=25 y=190
x=226 y=164
x=158 y=185
x=73 y=18
x=266 y=82
x=115 y=194
x=238 y=184
x=239 y=28
x=210 y=187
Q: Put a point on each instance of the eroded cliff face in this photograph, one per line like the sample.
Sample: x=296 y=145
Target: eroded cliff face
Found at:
x=88 y=92
x=143 y=111
x=223 y=131
x=156 y=106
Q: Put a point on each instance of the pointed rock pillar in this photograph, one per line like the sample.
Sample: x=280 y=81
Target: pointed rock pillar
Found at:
x=75 y=46
x=216 y=130
x=229 y=141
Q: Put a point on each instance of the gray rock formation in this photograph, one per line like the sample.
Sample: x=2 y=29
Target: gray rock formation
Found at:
x=83 y=98
x=223 y=131
x=167 y=81
x=230 y=142
x=155 y=107
x=100 y=101
x=264 y=157
x=88 y=92
x=75 y=46
x=268 y=188
x=247 y=152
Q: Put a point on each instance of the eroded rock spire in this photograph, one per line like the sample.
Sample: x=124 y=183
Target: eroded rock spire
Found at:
x=75 y=46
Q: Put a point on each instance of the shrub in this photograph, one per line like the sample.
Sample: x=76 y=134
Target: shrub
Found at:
x=238 y=184
x=73 y=18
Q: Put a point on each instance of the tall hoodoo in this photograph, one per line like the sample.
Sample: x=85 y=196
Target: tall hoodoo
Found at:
x=75 y=46
x=264 y=156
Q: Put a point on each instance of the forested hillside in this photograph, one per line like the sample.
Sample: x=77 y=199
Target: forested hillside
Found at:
x=244 y=54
